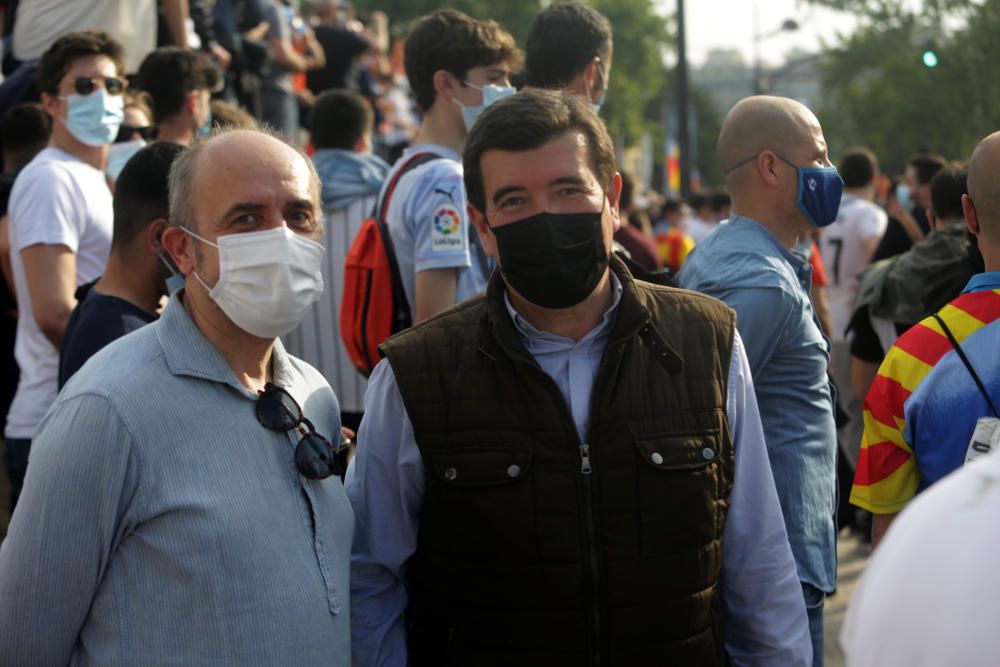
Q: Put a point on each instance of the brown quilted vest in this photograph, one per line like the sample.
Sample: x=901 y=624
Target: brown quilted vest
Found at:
x=537 y=549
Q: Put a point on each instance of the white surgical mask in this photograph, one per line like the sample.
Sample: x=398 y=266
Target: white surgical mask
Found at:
x=267 y=280
x=491 y=94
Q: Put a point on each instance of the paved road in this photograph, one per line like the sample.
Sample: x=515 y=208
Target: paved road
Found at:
x=852 y=556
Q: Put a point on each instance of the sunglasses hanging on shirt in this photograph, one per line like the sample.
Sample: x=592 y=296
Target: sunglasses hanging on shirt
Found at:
x=315 y=456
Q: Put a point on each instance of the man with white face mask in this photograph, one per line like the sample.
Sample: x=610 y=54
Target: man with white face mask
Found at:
x=183 y=503
x=60 y=220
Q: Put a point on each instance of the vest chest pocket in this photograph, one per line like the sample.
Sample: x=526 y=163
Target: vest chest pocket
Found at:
x=678 y=490
x=479 y=501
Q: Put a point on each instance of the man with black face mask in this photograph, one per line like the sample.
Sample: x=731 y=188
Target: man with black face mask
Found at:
x=127 y=296
x=568 y=469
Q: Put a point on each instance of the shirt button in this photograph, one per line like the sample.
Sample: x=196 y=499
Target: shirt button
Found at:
x=514 y=470
x=656 y=458
x=450 y=474
x=708 y=454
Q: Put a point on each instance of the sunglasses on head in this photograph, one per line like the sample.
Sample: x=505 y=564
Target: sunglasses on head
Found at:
x=84 y=85
x=125 y=132
x=315 y=456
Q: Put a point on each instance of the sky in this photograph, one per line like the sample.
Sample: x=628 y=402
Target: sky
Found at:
x=729 y=24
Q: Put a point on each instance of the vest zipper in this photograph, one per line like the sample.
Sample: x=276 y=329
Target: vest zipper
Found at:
x=595 y=617
x=585 y=459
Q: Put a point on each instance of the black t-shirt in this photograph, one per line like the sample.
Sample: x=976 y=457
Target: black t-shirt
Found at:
x=341 y=47
x=97 y=320
x=896 y=241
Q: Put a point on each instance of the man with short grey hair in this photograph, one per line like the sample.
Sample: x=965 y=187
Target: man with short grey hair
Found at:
x=182 y=503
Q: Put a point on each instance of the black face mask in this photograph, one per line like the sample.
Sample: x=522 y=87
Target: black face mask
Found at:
x=554 y=260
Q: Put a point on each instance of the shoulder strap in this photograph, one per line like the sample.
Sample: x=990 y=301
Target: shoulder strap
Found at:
x=968 y=364
x=382 y=205
x=401 y=317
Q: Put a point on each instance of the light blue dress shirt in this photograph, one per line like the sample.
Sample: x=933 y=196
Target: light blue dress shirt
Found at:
x=161 y=524
x=765 y=612
x=745 y=265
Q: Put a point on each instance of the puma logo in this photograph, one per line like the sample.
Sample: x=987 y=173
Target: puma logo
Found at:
x=450 y=194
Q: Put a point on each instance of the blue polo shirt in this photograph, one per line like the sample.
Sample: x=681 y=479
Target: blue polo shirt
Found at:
x=744 y=265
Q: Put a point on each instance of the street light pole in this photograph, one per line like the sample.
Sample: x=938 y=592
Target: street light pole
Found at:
x=683 y=140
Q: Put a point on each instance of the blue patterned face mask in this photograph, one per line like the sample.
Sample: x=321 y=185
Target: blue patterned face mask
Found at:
x=820 y=189
x=94 y=119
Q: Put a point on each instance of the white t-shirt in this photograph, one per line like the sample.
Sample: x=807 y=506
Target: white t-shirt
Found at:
x=429 y=224
x=841 y=246
x=317 y=339
x=132 y=23
x=928 y=595
x=56 y=200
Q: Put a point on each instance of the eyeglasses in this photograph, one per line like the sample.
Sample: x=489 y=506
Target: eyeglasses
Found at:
x=315 y=456
x=125 y=132
x=84 y=85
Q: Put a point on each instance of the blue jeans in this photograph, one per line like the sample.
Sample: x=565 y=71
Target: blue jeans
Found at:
x=281 y=111
x=15 y=462
x=814 y=610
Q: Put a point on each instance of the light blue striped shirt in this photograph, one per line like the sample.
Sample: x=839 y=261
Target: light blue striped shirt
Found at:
x=765 y=613
x=160 y=523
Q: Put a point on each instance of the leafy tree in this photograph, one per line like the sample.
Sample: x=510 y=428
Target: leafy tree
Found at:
x=879 y=93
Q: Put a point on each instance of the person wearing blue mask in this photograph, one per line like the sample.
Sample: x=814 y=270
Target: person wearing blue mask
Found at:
x=180 y=82
x=456 y=66
x=569 y=48
x=60 y=219
x=783 y=186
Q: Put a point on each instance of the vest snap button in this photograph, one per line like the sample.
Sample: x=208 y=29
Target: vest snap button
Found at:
x=514 y=470
x=656 y=458
x=708 y=454
x=450 y=474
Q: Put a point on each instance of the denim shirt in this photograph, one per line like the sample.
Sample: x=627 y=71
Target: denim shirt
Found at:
x=744 y=265
x=160 y=523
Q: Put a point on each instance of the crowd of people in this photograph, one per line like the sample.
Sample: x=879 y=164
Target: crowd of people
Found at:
x=321 y=349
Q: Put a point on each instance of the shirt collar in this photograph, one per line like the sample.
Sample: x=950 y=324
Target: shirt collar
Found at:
x=983 y=281
x=796 y=259
x=437 y=149
x=531 y=334
x=188 y=352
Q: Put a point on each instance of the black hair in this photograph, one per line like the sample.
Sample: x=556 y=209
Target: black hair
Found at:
x=59 y=57
x=562 y=40
x=947 y=188
x=451 y=41
x=858 y=167
x=25 y=128
x=141 y=193
x=169 y=73
x=529 y=120
x=926 y=166
x=339 y=119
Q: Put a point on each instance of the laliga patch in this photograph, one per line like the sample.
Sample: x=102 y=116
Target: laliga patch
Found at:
x=446 y=232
